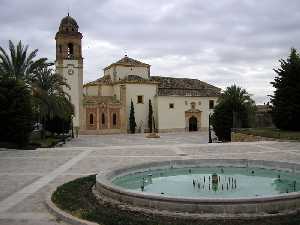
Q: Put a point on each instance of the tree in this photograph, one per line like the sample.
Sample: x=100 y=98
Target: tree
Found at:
x=18 y=63
x=16 y=115
x=286 y=98
x=235 y=109
x=50 y=99
x=132 y=123
x=150 y=117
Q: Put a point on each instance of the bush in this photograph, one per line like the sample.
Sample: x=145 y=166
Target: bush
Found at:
x=222 y=122
x=16 y=115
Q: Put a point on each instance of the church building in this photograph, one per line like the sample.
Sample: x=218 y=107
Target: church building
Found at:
x=103 y=106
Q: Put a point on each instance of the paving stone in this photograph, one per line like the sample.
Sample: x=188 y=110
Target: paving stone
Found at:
x=37 y=172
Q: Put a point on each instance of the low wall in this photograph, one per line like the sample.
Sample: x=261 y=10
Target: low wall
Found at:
x=241 y=137
x=235 y=207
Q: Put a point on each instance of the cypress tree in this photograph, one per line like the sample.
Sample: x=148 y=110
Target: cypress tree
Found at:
x=132 y=123
x=150 y=116
x=286 y=98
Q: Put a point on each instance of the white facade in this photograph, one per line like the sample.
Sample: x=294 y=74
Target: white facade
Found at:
x=174 y=118
x=176 y=108
x=148 y=92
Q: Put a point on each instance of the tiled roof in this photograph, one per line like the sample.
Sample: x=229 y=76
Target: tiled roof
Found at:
x=127 y=61
x=102 y=80
x=169 y=86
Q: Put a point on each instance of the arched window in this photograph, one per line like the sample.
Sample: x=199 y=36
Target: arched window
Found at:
x=103 y=119
x=114 y=119
x=91 y=119
x=60 y=49
x=70 y=50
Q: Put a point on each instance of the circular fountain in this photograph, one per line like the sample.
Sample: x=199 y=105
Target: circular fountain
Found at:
x=222 y=188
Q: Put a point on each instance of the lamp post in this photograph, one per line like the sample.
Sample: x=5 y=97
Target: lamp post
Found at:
x=72 y=126
x=63 y=132
x=209 y=130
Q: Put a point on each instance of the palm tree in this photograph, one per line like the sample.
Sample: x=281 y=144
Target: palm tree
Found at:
x=236 y=96
x=19 y=63
x=49 y=98
x=235 y=109
x=240 y=101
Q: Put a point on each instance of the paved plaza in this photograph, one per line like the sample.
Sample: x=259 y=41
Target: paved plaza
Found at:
x=26 y=177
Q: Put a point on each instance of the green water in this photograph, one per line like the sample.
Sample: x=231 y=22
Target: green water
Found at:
x=231 y=182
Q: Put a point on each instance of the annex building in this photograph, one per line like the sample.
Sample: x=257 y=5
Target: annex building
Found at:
x=103 y=106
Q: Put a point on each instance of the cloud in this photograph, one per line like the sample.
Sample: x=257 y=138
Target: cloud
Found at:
x=221 y=42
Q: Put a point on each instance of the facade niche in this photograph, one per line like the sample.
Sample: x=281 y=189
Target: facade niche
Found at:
x=103 y=119
x=91 y=119
x=114 y=119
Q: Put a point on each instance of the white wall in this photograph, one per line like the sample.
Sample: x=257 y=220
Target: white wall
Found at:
x=123 y=71
x=116 y=91
x=141 y=110
x=91 y=90
x=175 y=118
x=107 y=90
x=109 y=72
x=75 y=81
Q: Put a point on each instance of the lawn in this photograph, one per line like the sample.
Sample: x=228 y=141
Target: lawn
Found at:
x=272 y=133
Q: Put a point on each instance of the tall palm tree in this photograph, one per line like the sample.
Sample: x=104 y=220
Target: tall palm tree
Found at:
x=242 y=106
x=18 y=63
x=236 y=96
x=49 y=97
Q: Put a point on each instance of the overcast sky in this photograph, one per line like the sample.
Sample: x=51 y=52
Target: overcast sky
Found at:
x=221 y=42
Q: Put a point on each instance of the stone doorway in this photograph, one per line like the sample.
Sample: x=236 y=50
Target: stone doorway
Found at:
x=193 y=118
x=193 y=123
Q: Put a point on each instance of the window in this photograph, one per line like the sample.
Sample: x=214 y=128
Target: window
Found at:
x=140 y=99
x=91 y=119
x=103 y=119
x=114 y=119
x=171 y=106
x=70 y=50
x=211 y=104
x=60 y=49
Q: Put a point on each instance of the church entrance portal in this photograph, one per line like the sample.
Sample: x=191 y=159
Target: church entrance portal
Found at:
x=193 y=125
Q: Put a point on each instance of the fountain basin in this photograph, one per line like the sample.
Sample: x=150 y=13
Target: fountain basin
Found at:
x=108 y=186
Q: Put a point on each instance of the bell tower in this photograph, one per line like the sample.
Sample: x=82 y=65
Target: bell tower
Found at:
x=69 y=62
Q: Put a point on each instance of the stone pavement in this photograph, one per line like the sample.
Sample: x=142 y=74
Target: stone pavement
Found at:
x=26 y=177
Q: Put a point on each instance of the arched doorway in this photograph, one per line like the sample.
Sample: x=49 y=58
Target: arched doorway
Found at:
x=193 y=123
